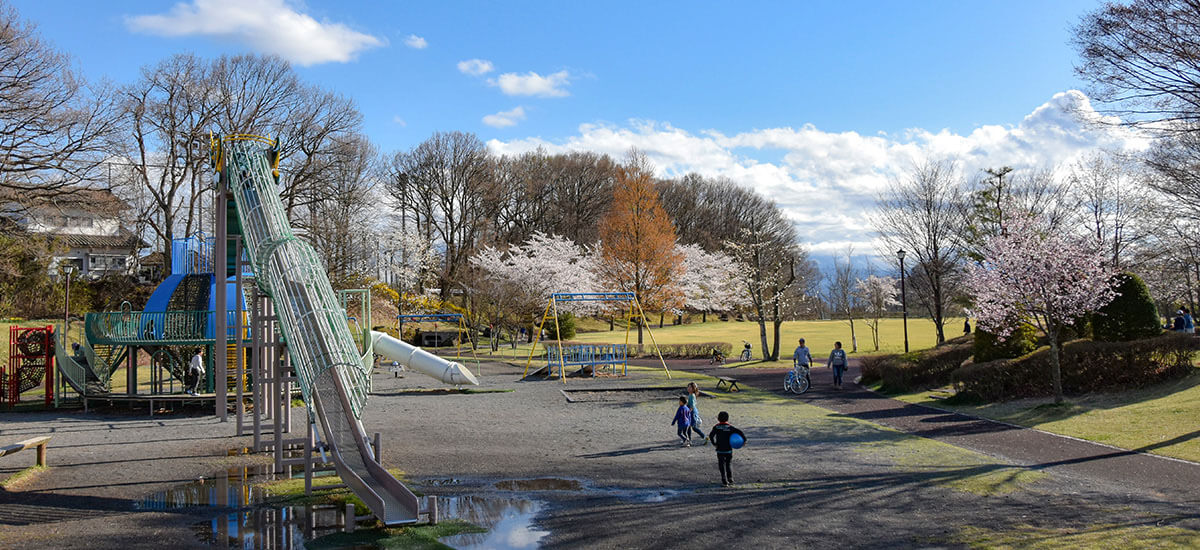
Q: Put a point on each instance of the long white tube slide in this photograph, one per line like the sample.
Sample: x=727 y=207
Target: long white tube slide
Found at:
x=422 y=361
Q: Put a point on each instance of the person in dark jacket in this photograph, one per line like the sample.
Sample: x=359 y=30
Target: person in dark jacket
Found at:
x=719 y=435
x=683 y=418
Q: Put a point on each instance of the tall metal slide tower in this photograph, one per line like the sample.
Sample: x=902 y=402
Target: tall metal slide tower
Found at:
x=331 y=375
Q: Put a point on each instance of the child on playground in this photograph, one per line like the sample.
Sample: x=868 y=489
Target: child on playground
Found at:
x=837 y=362
x=719 y=435
x=693 y=391
x=683 y=418
x=196 y=370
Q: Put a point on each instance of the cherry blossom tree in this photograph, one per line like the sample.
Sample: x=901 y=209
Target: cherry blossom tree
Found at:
x=877 y=294
x=1032 y=274
x=519 y=280
x=710 y=280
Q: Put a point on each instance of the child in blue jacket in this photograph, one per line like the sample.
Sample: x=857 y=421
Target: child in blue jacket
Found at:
x=683 y=417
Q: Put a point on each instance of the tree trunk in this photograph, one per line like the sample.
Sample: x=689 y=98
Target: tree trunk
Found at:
x=1056 y=365
x=611 y=320
x=639 y=324
x=704 y=317
x=853 y=337
x=661 y=314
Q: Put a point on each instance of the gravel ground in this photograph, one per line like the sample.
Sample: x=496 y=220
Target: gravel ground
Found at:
x=809 y=476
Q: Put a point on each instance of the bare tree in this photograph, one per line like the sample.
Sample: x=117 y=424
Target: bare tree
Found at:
x=1115 y=205
x=445 y=182
x=170 y=113
x=922 y=216
x=842 y=294
x=339 y=227
x=775 y=266
x=1140 y=59
x=55 y=129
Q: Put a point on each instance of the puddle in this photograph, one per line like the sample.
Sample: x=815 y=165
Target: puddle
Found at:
x=510 y=522
x=542 y=484
x=233 y=488
x=246 y=523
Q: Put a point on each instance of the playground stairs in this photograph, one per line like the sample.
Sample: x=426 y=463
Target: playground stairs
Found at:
x=231 y=378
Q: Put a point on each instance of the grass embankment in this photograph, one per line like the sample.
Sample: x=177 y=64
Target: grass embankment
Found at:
x=14 y=481
x=290 y=492
x=771 y=418
x=1159 y=419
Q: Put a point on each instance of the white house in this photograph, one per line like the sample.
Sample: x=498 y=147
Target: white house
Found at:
x=88 y=223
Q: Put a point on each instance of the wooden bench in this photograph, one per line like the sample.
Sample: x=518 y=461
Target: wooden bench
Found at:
x=39 y=442
x=732 y=382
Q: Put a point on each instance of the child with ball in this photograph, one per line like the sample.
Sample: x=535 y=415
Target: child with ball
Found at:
x=725 y=438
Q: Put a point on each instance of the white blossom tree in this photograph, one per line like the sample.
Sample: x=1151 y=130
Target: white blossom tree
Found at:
x=877 y=294
x=710 y=280
x=520 y=279
x=1033 y=274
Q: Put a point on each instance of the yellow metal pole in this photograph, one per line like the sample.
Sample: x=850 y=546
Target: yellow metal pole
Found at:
x=656 y=350
x=562 y=375
x=537 y=337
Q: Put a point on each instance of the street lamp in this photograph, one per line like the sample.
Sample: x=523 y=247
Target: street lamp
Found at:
x=903 y=297
x=67 y=303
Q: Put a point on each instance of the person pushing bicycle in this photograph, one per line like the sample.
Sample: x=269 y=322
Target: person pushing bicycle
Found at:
x=801 y=359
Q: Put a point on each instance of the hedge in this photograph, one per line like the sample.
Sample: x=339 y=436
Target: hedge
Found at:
x=674 y=351
x=917 y=370
x=988 y=347
x=1087 y=366
x=1130 y=316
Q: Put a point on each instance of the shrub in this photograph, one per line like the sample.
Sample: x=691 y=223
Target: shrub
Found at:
x=917 y=370
x=1087 y=366
x=989 y=348
x=1130 y=316
x=566 y=325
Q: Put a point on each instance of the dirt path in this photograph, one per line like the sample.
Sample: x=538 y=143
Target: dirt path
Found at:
x=834 y=475
x=1064 y=456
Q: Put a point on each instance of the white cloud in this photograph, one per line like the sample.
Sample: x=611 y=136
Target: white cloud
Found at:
x=269 y=26
x=827 y=182
x=504 y=119
x=400 y=121
x=475 y=67
x=415 y=42
x=531 y=83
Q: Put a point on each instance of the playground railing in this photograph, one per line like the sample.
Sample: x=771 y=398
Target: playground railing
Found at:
x=584 y=355
x=158 y=327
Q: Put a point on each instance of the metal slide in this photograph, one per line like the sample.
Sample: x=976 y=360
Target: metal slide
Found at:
x=421 y=361
x=331 y=374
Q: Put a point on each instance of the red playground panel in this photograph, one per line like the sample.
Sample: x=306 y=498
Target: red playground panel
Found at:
x=30 y=362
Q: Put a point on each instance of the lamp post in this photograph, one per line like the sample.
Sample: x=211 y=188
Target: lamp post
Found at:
x=903 y=298
x=67 y=302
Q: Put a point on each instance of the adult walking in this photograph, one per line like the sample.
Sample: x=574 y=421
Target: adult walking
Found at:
x=693 y=391
x=837 y=362
x=196 y=369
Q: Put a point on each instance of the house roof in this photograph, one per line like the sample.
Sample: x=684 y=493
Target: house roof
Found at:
x=98 y=201
x=125 y=240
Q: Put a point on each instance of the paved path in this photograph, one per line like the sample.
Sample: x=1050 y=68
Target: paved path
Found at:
x=1072 y=458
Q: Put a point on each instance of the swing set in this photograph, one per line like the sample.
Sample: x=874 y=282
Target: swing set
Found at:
x=435 y=318
x=590 y=357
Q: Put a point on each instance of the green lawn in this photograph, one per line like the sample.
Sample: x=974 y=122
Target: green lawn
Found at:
x=820 y=335
x=1160 y=419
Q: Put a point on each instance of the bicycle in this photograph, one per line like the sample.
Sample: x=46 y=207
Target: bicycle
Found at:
x=716 y=358
x=745 y=351
x=797 y=380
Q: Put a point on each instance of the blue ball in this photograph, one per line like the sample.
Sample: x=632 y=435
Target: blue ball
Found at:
x=736 y=441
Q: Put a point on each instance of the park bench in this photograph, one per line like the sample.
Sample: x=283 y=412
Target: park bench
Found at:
x=39 y=442
x=732 y=382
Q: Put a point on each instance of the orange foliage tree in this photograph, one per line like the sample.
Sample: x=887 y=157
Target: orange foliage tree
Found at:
x=637 y=238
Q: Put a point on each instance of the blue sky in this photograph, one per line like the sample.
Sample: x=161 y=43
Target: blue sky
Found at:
x=799 y=100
